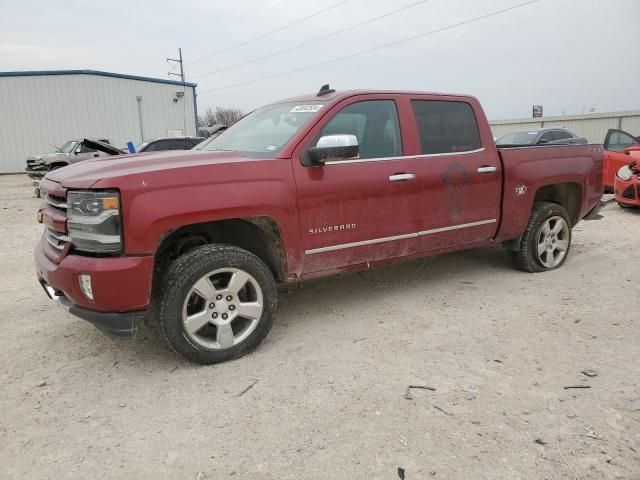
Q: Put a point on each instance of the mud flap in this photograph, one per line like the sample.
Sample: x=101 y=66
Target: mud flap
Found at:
x=594 y=213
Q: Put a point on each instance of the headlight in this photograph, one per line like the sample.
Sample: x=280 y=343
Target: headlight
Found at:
x=625 y=173
x=94 y=222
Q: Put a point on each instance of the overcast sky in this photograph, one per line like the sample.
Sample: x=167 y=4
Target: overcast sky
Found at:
x=567 y=55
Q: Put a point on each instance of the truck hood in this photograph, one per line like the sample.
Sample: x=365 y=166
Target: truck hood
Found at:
x=87 y=173
x=44 y=156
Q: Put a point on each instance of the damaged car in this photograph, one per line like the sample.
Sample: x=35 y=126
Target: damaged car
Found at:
x=71 y=152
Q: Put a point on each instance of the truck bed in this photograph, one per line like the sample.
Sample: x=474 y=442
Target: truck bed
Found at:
x=527 y=170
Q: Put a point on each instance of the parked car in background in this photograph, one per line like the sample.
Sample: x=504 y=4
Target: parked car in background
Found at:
x=302 y=188
x=169 y=143
x=541 y=136
x=616 y=155
x=70 y=152
x=211 y=130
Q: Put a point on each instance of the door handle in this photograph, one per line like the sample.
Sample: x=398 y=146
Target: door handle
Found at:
x=401 y=177
x=486 y=169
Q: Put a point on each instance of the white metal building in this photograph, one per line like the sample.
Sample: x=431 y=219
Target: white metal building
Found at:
x=44 y=108
x=592 y=126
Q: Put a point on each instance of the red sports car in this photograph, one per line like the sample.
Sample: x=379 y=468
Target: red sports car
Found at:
x=627 y=181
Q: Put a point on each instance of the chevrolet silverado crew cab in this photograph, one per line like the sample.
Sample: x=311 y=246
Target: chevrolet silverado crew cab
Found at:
x=301 y=188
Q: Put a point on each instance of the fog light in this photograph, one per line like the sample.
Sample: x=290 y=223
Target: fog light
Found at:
x=85 y=285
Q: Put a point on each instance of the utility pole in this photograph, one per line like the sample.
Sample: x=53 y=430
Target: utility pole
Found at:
x=177 y=61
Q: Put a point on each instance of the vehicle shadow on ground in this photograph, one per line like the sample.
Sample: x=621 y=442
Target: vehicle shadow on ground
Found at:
x=345 y=291
x=350 y=289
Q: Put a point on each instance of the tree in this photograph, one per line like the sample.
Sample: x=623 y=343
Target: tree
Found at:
x=221 y=115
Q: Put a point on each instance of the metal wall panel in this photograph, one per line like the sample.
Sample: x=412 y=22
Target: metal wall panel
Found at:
x=37 y=112
x=592 y=126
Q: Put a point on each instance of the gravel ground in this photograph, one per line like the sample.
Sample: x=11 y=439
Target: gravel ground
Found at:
x=328 y=384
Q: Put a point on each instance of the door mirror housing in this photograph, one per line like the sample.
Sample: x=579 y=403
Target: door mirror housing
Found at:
x=542 y=141
x=334 y=147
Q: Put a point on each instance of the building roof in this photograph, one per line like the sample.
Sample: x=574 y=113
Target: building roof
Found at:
x=37 y=73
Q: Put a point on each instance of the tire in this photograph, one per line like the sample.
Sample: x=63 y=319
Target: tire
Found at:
x=228 y=290
x=625 y=205
x=542 y=250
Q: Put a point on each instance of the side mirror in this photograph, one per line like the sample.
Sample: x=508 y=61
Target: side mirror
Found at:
x=542 y=141
x=334 y=147
x=77 y=150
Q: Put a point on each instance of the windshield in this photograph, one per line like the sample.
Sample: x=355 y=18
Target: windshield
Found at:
x=68 y=147
x=518 y=138
x=140 y=147
x=264 y=132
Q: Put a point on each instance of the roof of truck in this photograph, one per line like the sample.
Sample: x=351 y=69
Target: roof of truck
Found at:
x=339 y=95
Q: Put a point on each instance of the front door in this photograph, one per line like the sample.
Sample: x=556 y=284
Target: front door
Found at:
x=615 y=142
x=359 y=210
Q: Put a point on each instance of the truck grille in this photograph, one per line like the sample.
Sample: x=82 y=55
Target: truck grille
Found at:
x=35 y=165
x=56 y=202
x=56 y=240
x=628 y=193
x=54 y=215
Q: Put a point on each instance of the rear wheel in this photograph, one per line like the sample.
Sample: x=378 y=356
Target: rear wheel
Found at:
x=546 y=241
x=217 y=303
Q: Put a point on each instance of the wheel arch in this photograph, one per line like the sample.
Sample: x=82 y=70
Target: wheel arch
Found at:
x=568 y=194
x=260 y=235
x=58 y=164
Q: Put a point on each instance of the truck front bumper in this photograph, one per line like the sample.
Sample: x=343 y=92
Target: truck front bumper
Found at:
x=115 y=325
x=121 y=289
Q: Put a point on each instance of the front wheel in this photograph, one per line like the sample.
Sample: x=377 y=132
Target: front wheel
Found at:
x=216 y=303
x=546 y=241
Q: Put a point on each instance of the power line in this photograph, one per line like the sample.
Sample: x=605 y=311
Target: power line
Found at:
x=350 y=28
x=379 y=47
x=259 y=37
x=226 y=25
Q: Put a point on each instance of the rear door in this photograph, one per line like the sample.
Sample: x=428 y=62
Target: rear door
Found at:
x=359 y=210
x=459 y=178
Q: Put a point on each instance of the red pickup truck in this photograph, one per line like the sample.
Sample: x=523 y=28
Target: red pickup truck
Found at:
x=301 y=188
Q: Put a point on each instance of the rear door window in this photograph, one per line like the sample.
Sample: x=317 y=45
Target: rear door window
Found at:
x=561 y=135
x=179 y=144
x=546 y=137
x=446 y=126
x=158 y=146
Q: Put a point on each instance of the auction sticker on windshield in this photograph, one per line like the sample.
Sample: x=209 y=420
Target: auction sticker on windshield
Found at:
x=306 y=108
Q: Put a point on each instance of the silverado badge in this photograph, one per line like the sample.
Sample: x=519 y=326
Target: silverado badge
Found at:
x=332 y=228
